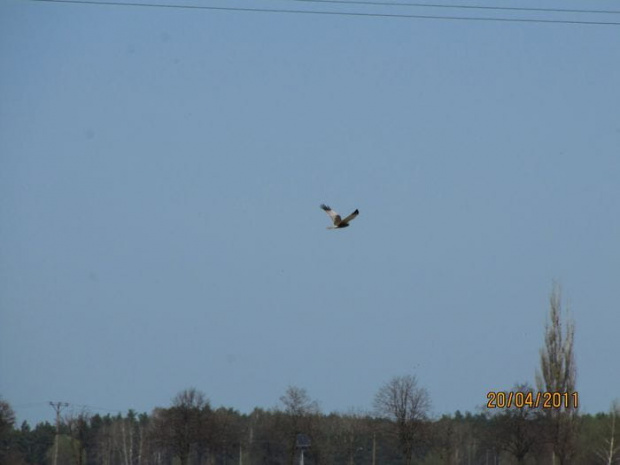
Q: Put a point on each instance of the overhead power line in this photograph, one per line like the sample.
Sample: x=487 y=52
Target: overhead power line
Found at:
x=334 y=13
x=459 y=7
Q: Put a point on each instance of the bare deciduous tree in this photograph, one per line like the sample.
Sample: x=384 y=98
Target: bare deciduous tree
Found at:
x=558 y=373
x=609 y=452
x=407 y=404
x=297 y=402
x=179 y=428
x=127 y=426
x=301 y=412
x=516 y=428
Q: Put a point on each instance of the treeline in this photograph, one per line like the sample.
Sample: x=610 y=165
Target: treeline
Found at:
x=399 y=431
x=191 y=432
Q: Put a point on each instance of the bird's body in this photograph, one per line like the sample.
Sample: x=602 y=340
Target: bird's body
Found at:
x=339 y=223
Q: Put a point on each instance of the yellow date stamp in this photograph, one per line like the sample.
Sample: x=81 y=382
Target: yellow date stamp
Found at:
x=544 y=400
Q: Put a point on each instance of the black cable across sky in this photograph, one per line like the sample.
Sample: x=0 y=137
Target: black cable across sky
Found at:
x=458 y=7
x=343 y=13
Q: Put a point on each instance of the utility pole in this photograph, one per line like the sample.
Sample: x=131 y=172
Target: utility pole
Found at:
x=57 y=406
x=374 y=448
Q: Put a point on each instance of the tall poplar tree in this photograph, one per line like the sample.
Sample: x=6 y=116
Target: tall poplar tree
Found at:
x=558 y=374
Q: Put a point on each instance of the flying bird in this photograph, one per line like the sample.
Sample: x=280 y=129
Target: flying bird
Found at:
x=338 y=221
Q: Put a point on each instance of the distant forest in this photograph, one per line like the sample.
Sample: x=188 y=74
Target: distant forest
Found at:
x=526 y=426
x=190 y=432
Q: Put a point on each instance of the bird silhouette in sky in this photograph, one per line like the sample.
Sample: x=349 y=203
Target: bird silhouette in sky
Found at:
x=337 y=220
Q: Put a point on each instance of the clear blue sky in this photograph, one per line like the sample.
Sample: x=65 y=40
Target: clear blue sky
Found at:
x=161 y=172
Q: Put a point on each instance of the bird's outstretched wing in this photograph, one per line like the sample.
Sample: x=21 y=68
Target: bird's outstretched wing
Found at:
x=332 y=214
x=351 y=216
